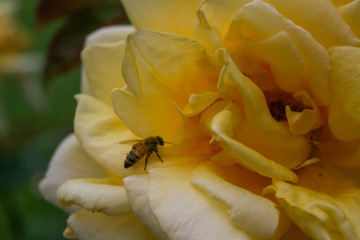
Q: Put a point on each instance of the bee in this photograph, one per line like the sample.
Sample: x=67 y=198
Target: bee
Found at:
x=141 y=148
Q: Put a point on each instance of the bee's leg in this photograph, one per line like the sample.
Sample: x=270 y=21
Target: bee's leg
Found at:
x=147 y=156
x=155 y=150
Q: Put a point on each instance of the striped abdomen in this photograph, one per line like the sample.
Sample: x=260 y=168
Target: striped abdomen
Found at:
x=137 y=152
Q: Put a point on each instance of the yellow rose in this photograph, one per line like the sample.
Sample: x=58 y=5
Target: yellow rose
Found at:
x=260 y=101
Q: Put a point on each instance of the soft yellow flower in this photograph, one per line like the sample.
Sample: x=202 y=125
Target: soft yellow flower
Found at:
x=260 y=101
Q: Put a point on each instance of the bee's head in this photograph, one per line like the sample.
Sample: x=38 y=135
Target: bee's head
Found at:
x=160 y=140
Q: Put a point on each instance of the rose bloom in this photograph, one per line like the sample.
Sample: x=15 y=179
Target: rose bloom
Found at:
x=260 y=101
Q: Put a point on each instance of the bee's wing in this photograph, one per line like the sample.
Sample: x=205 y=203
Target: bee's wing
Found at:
x=130 y=141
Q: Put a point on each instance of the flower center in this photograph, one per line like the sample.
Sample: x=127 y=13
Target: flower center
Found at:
x=277 y=101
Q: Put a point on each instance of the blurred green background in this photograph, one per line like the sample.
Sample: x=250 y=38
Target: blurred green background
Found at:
x=35 y=117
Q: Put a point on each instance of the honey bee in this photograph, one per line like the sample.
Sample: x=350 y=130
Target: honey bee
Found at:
x=142 y=147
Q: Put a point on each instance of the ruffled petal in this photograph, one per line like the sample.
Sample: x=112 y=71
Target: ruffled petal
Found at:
x=176 y=16
x=102 y=65
x=97 y=226
x=280 y=55
x=183 y=211
x=198 y=103
x=301 y=123
x=69 y=161
x=263 y=134
x=95 y=195
x=323 y=206
x=344 y=110
x=253 y=213
x=350 y=13
x=322 y=20
x=220 y=121
x=137 y=188
x=260 y=21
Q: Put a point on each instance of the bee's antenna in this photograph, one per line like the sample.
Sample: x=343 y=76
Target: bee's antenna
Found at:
x=168 y=142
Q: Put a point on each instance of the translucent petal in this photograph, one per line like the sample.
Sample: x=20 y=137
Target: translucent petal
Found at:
x=322 y=20
x=69 y=161
x=175 y=61
x=176 y=16
x=97 y=226
x=259 y=130
x=95 y=195
x=350 y=13
x=137 y=188
x=102 y=66
x=153 y=114
x=183 y=211
x=260 y=21
x=206 y=35
x=253 y=213
x=344 y=110
x=220 y=13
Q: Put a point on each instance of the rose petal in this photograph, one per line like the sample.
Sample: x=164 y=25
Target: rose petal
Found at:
x=205 y=35
x=332 y=213
x=198 y=103
x=97 y=226
x=340 y=2
x=301 y=123
x=281 y=56
x=160 y=77
x=102 y=65
x=137 y=188
x=183 y=211
x=220 y=120
x=263 y=134
x=109 y=34
x=322 y=20
x=164 y=16
x=261 y=21
x=344 y=110
x=103 y=35
x=100 y=131
x=343 y=154
x=69 y=161
x=95 y=195
x=350 y=13
x=220 y=13
x=253 y=213
x=294 y=233
x=154 y=114
x=186 y=68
